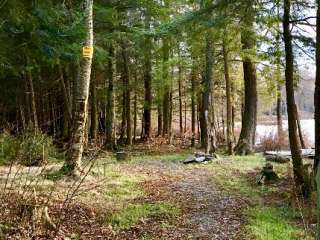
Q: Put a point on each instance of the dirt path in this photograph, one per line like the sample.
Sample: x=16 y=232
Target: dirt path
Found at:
x=209 y=212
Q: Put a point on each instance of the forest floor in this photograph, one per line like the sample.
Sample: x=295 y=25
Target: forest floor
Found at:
x=155 y=196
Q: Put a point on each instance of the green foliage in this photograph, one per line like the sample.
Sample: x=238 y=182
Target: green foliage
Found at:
x=266 y=223
x=35 y=148
x=133 y=213
x=8 y=148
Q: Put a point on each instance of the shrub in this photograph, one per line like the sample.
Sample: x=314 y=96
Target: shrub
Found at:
x=35 y=148
x=8 y=147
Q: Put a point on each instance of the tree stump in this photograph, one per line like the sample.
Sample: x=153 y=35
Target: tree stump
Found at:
x=267 y=174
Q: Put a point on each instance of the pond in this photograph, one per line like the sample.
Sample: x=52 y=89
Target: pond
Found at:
x=265 y=130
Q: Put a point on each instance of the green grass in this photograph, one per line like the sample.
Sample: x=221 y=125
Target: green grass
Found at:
x=134 y=213
x=231 y=177
x=273 y=224
x=123 y=187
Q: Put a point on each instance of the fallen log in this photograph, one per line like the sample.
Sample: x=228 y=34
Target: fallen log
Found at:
x=285 y=156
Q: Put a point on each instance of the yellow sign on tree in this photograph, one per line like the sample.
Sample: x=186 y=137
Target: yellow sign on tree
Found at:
x=87 y=52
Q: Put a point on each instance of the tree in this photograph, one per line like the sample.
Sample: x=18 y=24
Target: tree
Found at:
x=74 y=156
x=167 y=86
x=300 y=176
x=147 y=84
x=229 y=97
x=206 y=120
x=110 y=140
x=247 y=136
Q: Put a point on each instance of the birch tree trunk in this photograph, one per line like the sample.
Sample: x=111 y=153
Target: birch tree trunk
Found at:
x=74 y=156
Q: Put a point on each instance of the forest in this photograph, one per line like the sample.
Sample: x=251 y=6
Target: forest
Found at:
x=160 y=119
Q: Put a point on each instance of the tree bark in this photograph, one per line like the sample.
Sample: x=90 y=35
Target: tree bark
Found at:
x=159 y=119
x=206 y=121
x=279 y=117
x=193 y=107
x=180 y=99
x=166 y=95
x=300 y=176
x=229 y=100
x=127 y=93
x=147 y=85
x=135 y=108
x=94 y=111
x=247 y=135
x=33 y=108
x=303 y=145
x=110 y=141
x=74 y=156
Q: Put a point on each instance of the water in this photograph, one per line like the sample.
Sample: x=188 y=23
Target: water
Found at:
x=307 y=127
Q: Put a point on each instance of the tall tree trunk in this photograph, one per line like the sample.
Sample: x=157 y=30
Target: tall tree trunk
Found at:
x=180 y=100
x=279 y=83
x=147 y=85
x=185 y=117
x=94 y=111
x=124 y=113
x=247 y=136
x=193 y=107
x=66 y=95
x=67 y=112
x=300 y=176
x=279 y=117
x=27 y=100
x=206 y=120
x=303 y=145
x=166 y=95
x=229 y=100
x=159 y=119
x=135 y=108
x=74 y=156
x=110 y=141
x=33 y=107
x=170 y=116
x=127 y=92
